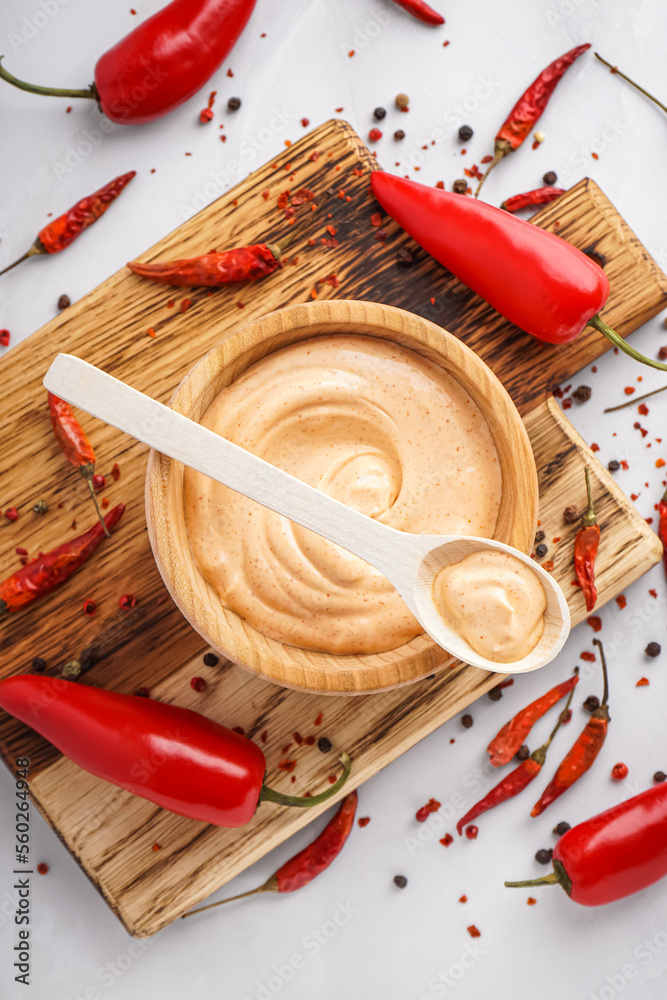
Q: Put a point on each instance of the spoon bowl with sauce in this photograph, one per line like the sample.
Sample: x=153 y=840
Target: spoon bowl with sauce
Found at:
x=471 y=595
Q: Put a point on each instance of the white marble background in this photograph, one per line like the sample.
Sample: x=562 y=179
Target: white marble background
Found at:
x=374 y=940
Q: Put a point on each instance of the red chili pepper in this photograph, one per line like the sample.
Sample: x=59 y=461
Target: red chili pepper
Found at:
x=536 y=280
x=540 y=196
x=170 y=755
x=584 y=751
x=308 y=863
x=613 y=854
x=505 y=744
x=162 y=63
x=662 y=528
x=75 y=445
x=64 y=230
x=528 y=108
x=586 y=545
x=228 y=267
x=421 y=10
x=50 y=570
x=518 y=779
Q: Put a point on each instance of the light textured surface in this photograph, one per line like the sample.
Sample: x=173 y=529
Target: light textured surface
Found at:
x=495 y=50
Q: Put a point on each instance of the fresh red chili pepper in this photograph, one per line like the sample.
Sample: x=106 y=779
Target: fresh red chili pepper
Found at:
x=505 y=744
x=64 y=230
x=586 y=545
x=308 y=863
x=528 y=108
x=75 y=445
x=613 y=854
x=162 y=63
x=536 y=280
x=205 y=772
x=228 y=267
x=662 y=528
x=518 y=779
x=616 y=70
x=421 y=10
x=55 y=567
x=540 y=196
x=584 y=751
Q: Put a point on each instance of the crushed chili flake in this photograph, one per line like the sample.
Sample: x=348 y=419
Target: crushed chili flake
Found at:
x=531 y=901
x=287 y=765
x=642 y=682
x=198 y=684
x=548 y=565
x=170 y=303
x=431 y=806
x=486 y=159
x=298 y=738
x=318 y=720
x=42 y=868
x=594 y=155
x=205 y=115
x=150 y=331
x=659 y=463
x=653 y=593
x=629 y=389
x=105 y=502
x=463 y=898
x=364 y=821
x=447 y=840
x=588 y=657
x=473 y=932
x=185 y=305
x=115 y=471
x=624 y=464
x=622 y=602
x=286 y=747
x=4 y=338
x=264 y=735
x=595 y=447
x=239 y=729
x=314 y=156
x=332 y=779
x=331 y=230
x=12 y=514
x=309 y=741
x=330 y=280
x=595 y=623
x=376 y=219
x=302 y=196
x=240 y=305
x=642 y=409
x=157 y=847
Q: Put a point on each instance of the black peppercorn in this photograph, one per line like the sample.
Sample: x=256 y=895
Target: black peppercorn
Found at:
x=404 y=257
x=496 y=693
x=40 y=507
x=592 y=703
x=39 y=665
x=570 y=514
x=550 y=178
x=400 y=881
x=324 y=744
x=89 y=658
x=539 y=537
x=234 y=103
x=399 y=134
x=465 y=133
x=64 y=301
x=379 y=114
x=523 y=753
x=210 y=660
x=659 y=776
x=613 y=466
x=460 y=186
x=544 y=856
x=561 y=828
x=466 y=721
x=582 y=394
x=653 y=649
x=541 y=550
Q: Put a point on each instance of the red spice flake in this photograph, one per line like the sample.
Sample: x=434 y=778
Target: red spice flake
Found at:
x=444 y=45
x=471 y=832
x=170 y=303
x=364 y=821
x=223 y=138
x=548 y=565
x=205 y=115
x=240 y=305
x=531 y=901
x=556 y=539
x=4 y=338
x=302 y=196
x=594 y=155
x=314 y=156
x=357 y=172
x=99 y=481
x=473 y=172
x=309 y=741
x=642 y=409
x=150 y=331
x=535 y=144
x=313 y=293
x=318 y=720
x=298 y=738
x=629 y=389
x=486 y=159
x=332 y=779
x=595 y=623
x=89 y=607
x=331 y=230
x=105 y=502
x=473 y=932
x=229 y=73
x=375 y=134
x=287 y=765
x=265 y=194
x=653 y=593
x=431 y=806
x=286 y=747
x=595 y=447
x=447 y=840
x=12 y=514
x=185 y=305
x=381 y=236
x=288 y=166
x=239 y=729
x=624 y=464
x=157 y=847
x=659 y=463
x=566 y=716
x=463 y=898
x=305 y=122
x=622 y=602
x=283 y=199
x=588 y=657
x=567 y=403
x=20 y=551
x=619 y=771
x=127 y=602
x=42 y=868
x=330 y=280
x=376 y=219
x=264 y=735
x=115 y=472
x=642 y=682
x=198 y=684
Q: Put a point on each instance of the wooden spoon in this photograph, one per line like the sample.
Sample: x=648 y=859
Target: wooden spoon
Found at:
x=410 y=562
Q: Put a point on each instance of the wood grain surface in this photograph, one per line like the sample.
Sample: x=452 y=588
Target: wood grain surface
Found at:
x=109 y=832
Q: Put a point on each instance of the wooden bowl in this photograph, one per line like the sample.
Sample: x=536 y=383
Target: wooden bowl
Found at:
x=224 y=630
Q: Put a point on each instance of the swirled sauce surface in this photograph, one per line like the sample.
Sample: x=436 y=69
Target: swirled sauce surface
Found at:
x=374 y=425
x=495 y=602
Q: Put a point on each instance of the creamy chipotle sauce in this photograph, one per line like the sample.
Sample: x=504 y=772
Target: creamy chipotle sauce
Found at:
x=374 y=425
x=495 y=602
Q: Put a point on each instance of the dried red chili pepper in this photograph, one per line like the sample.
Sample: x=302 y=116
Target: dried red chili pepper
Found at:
x=518 y=779
x=75 y=445
x=55 y=567
x=662 y=528
x=308 y=863
x=228 y=267
x=207 y=772
x=584 y=751
x=421 y=10
x=586 y=545
x=506 y=743
x=613 y=854
x=162 y=63
x=540 y=196
x=528 y=109
x=64 y=230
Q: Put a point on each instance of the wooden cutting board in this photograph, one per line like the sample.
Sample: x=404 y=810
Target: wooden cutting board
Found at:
x=111 y=833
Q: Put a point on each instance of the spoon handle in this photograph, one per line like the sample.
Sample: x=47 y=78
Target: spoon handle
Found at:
x=105 y=397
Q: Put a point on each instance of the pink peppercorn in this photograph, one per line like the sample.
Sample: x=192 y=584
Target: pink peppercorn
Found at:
x=198 y=684
x=471 y=832
x=375 y=134
x=619 y=771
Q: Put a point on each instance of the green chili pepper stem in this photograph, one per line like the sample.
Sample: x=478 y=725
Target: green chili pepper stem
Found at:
x=32 y=88
x=605 y=693
x=557 y=877
x=632 y=83
x=589 y=520
x=617 y=341
x=304 y=801
x=271 y=885
x=502 y=148
x=632 y=402
x=32 y=252
x=87 y=474
x=540 y=755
